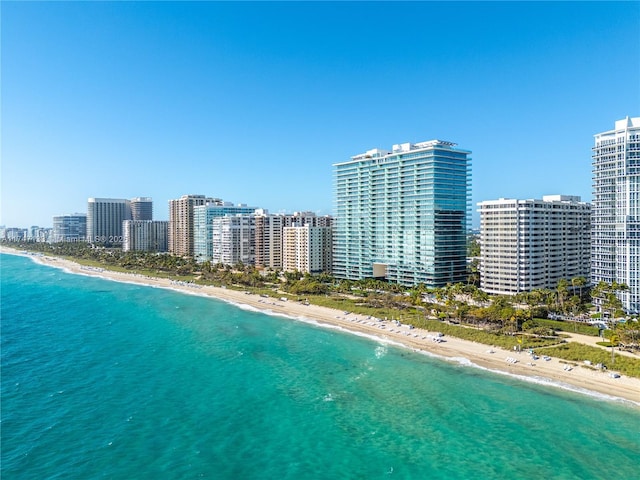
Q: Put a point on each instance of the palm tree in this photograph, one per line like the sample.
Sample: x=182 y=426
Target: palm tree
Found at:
x=416 y=296
x=579 y=282
x=562 y=292
x=628 y=333
x=480 y=296
x=613 y=340
x=605 y=296
x=473 y=278
x=461 y=312
x=548 y=297
x=458 y=289
x=440 y=293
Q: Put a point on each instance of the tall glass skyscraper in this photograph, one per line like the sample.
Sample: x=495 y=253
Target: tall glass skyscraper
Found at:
x=615 y=234
x=69 y=228
x=141 y=208
x=403 y=215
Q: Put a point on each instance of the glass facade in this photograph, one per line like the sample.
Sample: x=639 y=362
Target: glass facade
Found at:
x=69 y=228
x=141 y=208
x=403 y=215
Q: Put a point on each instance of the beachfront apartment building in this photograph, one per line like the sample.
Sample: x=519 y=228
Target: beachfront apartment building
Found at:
x=402 y=215
x=268 y=239
x=300 y=219
x=142 y=208
x=145 y=235
x=69 y=228
x=269 y=229
x=181 y=226
x=615 y=249
x=532 y=244
x=233 y=240
x=104 y=219
x=14 y=234
x=307 y=249
x=203 y=216
x=43 y=234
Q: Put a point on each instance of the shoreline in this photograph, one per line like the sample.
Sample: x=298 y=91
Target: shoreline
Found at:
x=550 y=373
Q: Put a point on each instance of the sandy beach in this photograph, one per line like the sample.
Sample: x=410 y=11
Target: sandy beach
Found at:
x=552 y=372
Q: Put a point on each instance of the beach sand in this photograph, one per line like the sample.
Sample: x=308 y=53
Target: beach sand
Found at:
x=552 y=372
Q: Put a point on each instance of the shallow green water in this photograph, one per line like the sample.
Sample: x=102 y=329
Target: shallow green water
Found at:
x=109 y=380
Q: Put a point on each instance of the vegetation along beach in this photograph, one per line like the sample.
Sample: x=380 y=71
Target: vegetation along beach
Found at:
x=548 y=352
x=111 y=373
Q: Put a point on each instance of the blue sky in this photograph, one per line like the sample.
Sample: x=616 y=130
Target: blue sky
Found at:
x=254 y=102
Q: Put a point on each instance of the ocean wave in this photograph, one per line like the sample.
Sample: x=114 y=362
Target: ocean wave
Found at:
x=383 y=340
x=535 y=379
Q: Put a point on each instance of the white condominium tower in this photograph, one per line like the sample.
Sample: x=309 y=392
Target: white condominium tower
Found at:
x=233 y=240
x=104 y=219
x=615 y=247
x=403 y=215
x=145 y=235
x=203 y=216
x=532 y=244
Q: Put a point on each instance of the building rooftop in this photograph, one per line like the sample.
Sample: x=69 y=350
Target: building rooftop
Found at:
x=403 y=148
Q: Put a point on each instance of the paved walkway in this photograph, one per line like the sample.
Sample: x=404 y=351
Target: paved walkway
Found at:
x=593 y=341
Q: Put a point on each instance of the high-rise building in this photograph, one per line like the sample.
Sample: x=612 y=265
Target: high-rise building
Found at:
x=203 y=216
x=104 y=219
x=615 y=235
x=300 y=219
x=145 y=235
x=12 y=234
x=532 y=244
x=141 y=208
x=307 y=249
x=69 y=228
x=269 y=234
x=42 y=234
x=233 y=240
x=181 y=227
x=403 y=215
x=268 y=239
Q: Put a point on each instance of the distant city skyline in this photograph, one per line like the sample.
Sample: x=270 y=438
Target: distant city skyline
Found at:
x=254 y=102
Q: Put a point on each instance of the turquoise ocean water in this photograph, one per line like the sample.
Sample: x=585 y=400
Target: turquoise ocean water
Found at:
x=109 y=380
